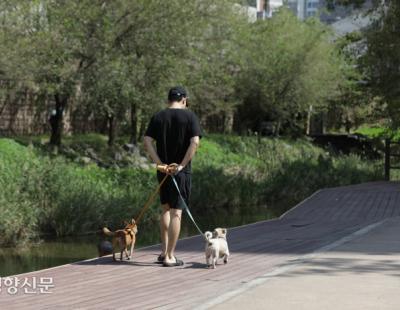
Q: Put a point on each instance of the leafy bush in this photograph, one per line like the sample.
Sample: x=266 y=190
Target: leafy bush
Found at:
x=288 y=186
x=379 y=132
x=19 y=214
x=236 y=180
x=43 y=194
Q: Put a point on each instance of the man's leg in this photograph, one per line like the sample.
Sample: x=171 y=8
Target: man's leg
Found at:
x=164 y=225
x=173 y=234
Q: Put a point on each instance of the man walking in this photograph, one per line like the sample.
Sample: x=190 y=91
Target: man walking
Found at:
x=176 y=131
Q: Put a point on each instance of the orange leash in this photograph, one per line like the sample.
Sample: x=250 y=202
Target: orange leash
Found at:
x=150 y=200
x=147 y=205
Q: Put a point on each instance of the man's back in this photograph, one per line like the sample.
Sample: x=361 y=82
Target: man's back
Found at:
x=172 y=129
x=176 y=131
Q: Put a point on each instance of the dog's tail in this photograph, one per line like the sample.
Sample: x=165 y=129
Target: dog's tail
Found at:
x=208 y=235
x=107 y=232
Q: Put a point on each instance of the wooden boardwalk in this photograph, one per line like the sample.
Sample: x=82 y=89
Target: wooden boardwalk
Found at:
x=256 y=249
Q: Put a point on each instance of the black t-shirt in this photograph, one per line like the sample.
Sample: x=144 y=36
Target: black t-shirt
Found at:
x=172 y=129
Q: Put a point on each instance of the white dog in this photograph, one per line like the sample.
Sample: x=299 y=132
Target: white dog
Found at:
x=216 y=246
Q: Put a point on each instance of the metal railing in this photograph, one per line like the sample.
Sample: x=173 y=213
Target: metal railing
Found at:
x=388 y=155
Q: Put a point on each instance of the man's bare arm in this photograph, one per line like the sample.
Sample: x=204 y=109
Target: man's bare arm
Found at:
x=194 y=144
x=149 y=147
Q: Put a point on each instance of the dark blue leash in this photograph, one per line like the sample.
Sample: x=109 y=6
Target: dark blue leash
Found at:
x=186 y=206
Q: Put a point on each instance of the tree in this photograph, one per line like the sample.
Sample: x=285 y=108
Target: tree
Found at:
x=382 y=59
x=178 y=42
x=115 y=60
x=215 y=62
x=107 y=92
x=350 y=107
x=380 y=62
x=111 y=57
x=52 y=44
x=288 y=66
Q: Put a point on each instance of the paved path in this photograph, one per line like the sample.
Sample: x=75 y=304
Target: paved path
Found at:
x=362 y=273
x=258 y=251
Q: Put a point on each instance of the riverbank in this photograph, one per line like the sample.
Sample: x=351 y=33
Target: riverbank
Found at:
x=236 y=180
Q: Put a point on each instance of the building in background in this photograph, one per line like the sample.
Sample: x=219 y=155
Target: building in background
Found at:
x=301 y=8
x=250 y=11
x=338 y=12
x=311 y=8
x=304 y=9
x=266 y=8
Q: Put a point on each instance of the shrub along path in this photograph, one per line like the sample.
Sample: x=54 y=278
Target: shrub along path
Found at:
x=256 y=249
x=232 y=175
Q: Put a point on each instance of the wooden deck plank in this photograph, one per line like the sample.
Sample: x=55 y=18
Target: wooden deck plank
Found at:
x=118 y=280
x=377 y=202
x=369 y=210
x=353 y=211
x=256 y=249
x=395 y=206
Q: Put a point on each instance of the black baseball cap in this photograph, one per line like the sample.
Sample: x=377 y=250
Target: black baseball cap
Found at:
x=177 y=93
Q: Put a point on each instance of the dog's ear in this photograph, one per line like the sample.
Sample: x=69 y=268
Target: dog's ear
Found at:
x=133 y=221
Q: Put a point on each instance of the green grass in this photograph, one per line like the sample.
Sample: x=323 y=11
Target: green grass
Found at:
x=236 y=180
x=379 y=132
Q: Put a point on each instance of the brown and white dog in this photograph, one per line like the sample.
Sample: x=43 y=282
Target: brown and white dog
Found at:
x=216 y=246
x=123 y=238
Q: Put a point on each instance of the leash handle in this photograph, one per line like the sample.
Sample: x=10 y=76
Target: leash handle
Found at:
x=186 y=206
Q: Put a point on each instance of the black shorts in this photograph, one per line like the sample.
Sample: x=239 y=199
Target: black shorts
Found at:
x=169 y=193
